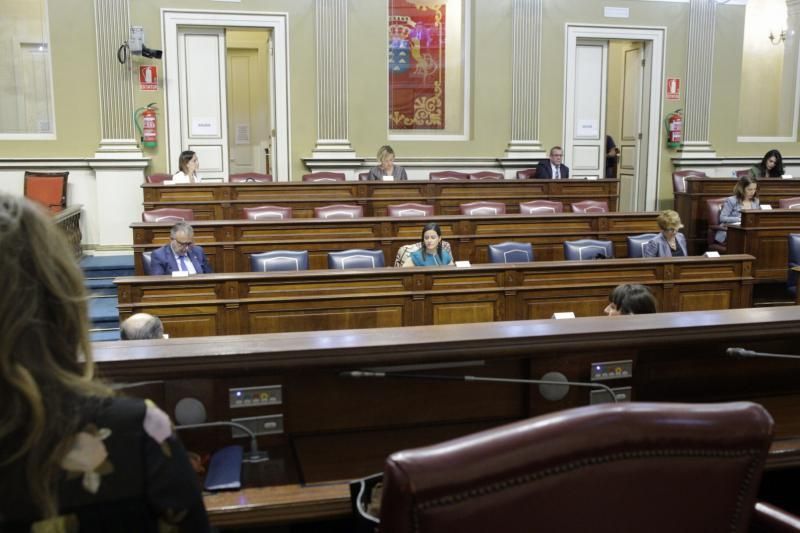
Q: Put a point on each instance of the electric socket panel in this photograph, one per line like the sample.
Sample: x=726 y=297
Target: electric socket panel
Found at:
x=623 y=394
x=604 y=370
x=255 y=396
x=260 y=425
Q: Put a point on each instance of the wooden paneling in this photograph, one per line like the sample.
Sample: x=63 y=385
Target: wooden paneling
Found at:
x=230 y=304
x=765 y=235
x=691 y=205
x=220 y=201
x=229 y=244
x=340 y=428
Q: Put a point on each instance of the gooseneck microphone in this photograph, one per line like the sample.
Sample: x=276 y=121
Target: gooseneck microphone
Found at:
x=741 y=352
x=253 y=456
x=555 y=383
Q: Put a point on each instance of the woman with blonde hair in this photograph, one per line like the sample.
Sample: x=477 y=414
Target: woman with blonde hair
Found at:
x=386 y=166
x=670 y=242
x=73 y=458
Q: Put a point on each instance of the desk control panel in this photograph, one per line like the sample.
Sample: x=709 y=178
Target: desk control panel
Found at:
x=255 y=396
x=604 y=370
x=260 y=425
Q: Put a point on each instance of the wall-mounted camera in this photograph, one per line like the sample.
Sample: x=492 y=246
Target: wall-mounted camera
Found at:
x=135 y=45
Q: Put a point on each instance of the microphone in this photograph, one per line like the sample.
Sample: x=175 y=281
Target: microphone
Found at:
x=253 y=456
x=741 y=352
x=552 y=389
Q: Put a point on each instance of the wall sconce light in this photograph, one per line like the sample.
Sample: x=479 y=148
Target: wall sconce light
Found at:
x=777 y=39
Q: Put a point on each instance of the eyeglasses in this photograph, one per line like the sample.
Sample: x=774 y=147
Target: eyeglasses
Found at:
x=187 y=243
x=672 y=230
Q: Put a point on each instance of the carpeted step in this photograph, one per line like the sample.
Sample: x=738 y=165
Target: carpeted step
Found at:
x=109 y=266
x=101 y=287
x=103 y=313
x=102 y=335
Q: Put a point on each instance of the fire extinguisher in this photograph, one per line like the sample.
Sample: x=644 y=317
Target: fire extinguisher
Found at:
x=674 y=125
x=149 y=127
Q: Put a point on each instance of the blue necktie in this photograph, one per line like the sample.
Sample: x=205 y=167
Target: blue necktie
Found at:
x=183 y=263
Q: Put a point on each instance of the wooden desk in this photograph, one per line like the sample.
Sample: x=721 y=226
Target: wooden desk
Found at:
x=228 y=244
x=691 y=205
x=224 y=201
x=340 y=428
x=765 y=234
x=253 y=302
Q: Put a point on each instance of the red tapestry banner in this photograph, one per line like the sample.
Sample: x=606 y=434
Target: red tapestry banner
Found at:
x=416 y=64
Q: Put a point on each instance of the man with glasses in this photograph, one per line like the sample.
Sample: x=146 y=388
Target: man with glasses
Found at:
x=552 y=169
x=179 y=254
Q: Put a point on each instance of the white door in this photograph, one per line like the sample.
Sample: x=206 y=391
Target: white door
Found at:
x=630 y=126
x=584 y=146
x=202 y=119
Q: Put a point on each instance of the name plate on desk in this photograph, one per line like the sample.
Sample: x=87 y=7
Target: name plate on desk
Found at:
x=388 y=178
x=180 y=274
x=711 y=254
x=766 y=207
x=786 y=176
x=563 y=314
x=463 y=264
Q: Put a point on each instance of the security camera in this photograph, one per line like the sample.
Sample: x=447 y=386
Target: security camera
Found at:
x=147 y=52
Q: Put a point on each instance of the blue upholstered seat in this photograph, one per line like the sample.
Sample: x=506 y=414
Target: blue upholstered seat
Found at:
x=636 y=243
x=511 y=252
x=279 y=260
x=588 y=249
x=355 y=259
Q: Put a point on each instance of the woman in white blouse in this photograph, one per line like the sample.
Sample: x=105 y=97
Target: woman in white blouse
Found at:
x=187 y=163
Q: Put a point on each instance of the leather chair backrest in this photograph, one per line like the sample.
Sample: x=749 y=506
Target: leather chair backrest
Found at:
x=489 y=176
x=540 y=207
x=511 y=252
x=673 y=467
x=279 y=260
x=363 y=176
x=448 y=175
x=339 y=211
x=324 y=176
x=407 y=249
x=741 y=173
x=47 y=188
x=147 y=259
x=584 y=249
x=794 y=260
x=526 y=174
x=158 y=178
x=636 y=243
x=483 y=208
x=410 y=210
x=789 y=203
x=355 y=259
x=679 y=178
x=245 y=177
x=167 y=214
x=266 y=212
x=590 y=206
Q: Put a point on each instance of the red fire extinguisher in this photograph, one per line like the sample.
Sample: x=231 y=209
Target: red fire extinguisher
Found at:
x=674 y=125
x=149 y=127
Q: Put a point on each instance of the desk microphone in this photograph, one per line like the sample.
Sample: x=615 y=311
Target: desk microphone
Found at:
x=253 y=456
x=741 y=352
x=551 y=389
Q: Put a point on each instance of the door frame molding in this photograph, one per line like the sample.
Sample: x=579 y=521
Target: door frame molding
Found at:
x=656 y=35
x=278 y=23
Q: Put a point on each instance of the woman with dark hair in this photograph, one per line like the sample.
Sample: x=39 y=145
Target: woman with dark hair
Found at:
x=771 y=166
x=630 y=299
x=745 y=196
x=431 y=252
x=73 y=457
x=188 y=164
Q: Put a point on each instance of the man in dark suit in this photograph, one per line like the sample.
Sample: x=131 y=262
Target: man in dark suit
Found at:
x=179 y=254
x=552 y=169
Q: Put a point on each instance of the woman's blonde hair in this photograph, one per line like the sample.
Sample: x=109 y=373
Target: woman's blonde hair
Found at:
x=669 y=219
x=43 y=335
x=384 y=152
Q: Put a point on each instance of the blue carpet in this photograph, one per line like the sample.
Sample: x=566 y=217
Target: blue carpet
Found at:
x=110 y=266
x=100 y=272
x=103 y=312
x=101 y=336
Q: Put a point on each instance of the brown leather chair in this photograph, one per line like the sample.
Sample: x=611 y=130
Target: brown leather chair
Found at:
x=410 y=210
x=448 y=175
x=540 y=207
x=363 y=176
x=339 y=211
x=789 y=203
x=713 y=209
x=47 y=188
x=743 y=172
x=590 y=206
x=245 y=177
x=157 y=178
x=168 y=214
x=679 y=178
x=654 y=467
x=526 y=174
x=488 y=176
x=483 y=208
x=266 y=212
x=324 y=177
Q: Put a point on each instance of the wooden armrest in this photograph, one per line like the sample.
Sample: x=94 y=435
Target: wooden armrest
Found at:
x=770 y=519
